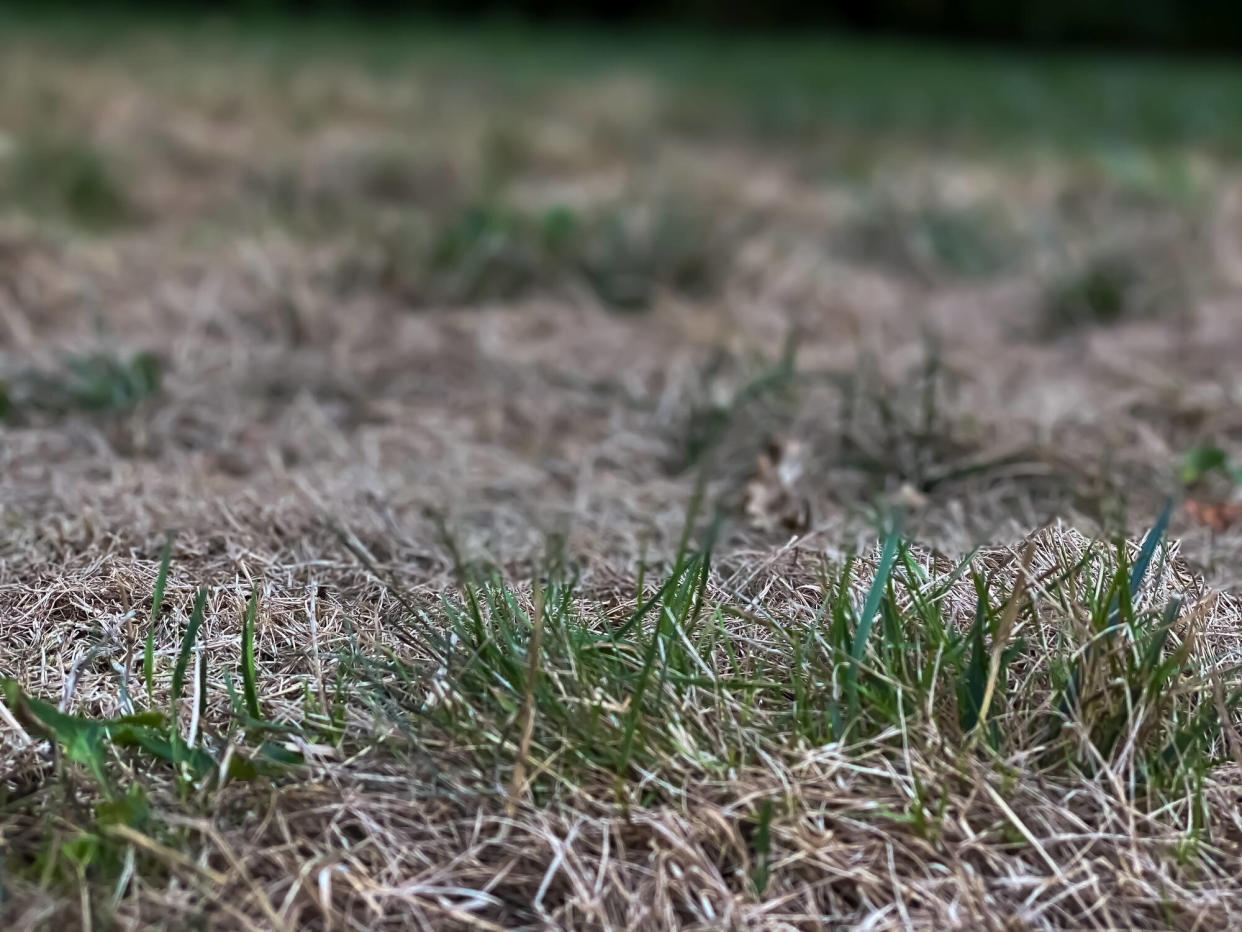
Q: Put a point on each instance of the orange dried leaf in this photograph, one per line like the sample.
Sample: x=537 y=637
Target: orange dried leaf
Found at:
x=1219 y=516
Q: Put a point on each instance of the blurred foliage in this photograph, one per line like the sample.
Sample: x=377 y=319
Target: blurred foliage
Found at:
x=804 y=87
x=624 y=256
x=66 y=178
x=1114 y=286
x=93 y=382
x=932 y=240
x=1206 y=460
x=1101 y=292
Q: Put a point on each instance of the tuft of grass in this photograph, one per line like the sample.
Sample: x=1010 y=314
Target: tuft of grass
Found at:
x=903 y=430
x=1109 y=288
x=1152 y=175
x=1102 y=292
x=489 y=253
x=683 y=688
x=91 y=383
x=624 y=257
x=757 y=400
x=381 y=180
x=628 y=258
x=67 y=179
x=933 y=241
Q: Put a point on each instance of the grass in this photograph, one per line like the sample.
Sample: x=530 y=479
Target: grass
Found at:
x=727 y=82
x=90 y=383
x=66 y=179
x=312 y=707
x=1112 y=287
x=933 y=241
x=625 y=257
x=763 y=397
x=1068 y=666
x=909 y=430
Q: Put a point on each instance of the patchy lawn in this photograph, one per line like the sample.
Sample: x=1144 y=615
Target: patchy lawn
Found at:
x=486 y=479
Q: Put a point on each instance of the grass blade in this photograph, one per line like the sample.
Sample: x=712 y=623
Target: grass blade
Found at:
x=518 y=783
x=80 y=739
x=1000 y=639
x=250 y=685
x=1150 y=542
x=148 y=664
x=686 y=576
x=187 y=644
x=871 y=605
x=157 y=603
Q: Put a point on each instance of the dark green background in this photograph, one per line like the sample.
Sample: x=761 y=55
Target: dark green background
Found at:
x=1172 y=25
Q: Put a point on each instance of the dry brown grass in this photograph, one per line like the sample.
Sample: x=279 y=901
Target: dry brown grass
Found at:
x=302 y=390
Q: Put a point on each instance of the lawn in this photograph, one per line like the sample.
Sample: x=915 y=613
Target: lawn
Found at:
x=505 y=478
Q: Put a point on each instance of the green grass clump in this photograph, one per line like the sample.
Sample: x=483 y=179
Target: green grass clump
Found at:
x=933 y=241
x=756 y=407
x=681 y=688
x=1100 y=293
x=908 y=430
x=1110 y=288
x=390 y=181
x=497 y=254
x=624 y=257
x=67 y=179
x=90 y=383
x=628 y=259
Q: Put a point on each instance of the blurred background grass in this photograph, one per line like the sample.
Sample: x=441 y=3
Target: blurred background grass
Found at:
x=1153 y=73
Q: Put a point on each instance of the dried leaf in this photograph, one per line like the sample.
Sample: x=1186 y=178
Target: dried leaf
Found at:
x=1219 y=516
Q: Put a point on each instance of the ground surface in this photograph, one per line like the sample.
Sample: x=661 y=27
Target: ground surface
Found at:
x=407 y=332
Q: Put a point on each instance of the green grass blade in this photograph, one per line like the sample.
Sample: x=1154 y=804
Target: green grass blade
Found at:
x=148 y=664
x=157 y=603
x=972 y=680
x=187 y=644
x=1150 y=669
x=1120 y=605
x=1150 y=542
x=874 y=595
x=688 y=577
x=250 y=685
x=637 y=616
x=871 y=605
